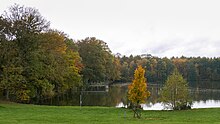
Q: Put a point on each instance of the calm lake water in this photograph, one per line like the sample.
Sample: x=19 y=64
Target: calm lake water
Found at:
x=117 y=96
x=196 y=104
x=202 y=98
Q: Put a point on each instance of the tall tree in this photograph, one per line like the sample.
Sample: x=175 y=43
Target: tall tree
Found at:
x=22 y=26
x=137 y=90
x=97 y=60
x=60 y=63
x=36 y=62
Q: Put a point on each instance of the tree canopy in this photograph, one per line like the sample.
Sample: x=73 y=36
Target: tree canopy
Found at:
x=36 y=62
x=137 y=90
x=175 y=93
x=99 y=64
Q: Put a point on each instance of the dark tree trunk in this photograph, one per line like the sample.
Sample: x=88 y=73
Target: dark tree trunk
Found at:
x=137 y=112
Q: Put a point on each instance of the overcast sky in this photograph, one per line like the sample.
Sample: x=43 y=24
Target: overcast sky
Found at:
x=158 y=27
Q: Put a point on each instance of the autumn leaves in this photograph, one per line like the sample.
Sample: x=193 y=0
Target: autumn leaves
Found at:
x=175 y=92
x=137 y=90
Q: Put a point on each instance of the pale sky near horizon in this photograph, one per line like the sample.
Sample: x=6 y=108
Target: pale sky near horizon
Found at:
x=158 y=27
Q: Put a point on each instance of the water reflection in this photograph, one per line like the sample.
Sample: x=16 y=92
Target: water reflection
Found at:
x=206 y=104
x=202 y=98
x=196 y=104
x=117 y=96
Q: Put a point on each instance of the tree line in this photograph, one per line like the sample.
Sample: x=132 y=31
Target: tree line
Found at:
x=38 y=62
x=200 y=72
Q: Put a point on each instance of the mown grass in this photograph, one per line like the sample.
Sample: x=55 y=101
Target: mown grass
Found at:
x=11 y=113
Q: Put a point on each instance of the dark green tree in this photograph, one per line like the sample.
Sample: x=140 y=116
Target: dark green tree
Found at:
x=36 y=62
x=97 y=60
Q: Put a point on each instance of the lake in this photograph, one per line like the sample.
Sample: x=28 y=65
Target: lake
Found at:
x=117 y=96
x=196 y=104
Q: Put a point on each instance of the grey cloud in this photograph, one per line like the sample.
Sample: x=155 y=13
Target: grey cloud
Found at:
x=196 y=47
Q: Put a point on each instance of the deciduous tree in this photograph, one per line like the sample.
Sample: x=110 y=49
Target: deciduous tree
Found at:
x=175 y=94
x=35 y=61
x=98 y=62
x=137 y=90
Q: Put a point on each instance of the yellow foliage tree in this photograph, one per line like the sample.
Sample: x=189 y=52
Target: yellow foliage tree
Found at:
x=137 y=90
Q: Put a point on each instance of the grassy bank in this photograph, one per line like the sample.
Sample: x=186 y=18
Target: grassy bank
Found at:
x=11 y=113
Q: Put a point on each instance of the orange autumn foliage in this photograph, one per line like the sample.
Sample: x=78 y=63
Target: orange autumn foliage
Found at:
x=137 y=90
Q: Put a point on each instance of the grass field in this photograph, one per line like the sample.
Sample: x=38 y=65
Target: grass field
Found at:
x=11 y=113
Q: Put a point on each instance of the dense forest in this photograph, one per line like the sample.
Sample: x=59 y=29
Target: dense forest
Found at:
x=37 y=62
x=199 y=72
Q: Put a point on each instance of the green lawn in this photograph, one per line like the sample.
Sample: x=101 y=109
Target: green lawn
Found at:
x=11 y=113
